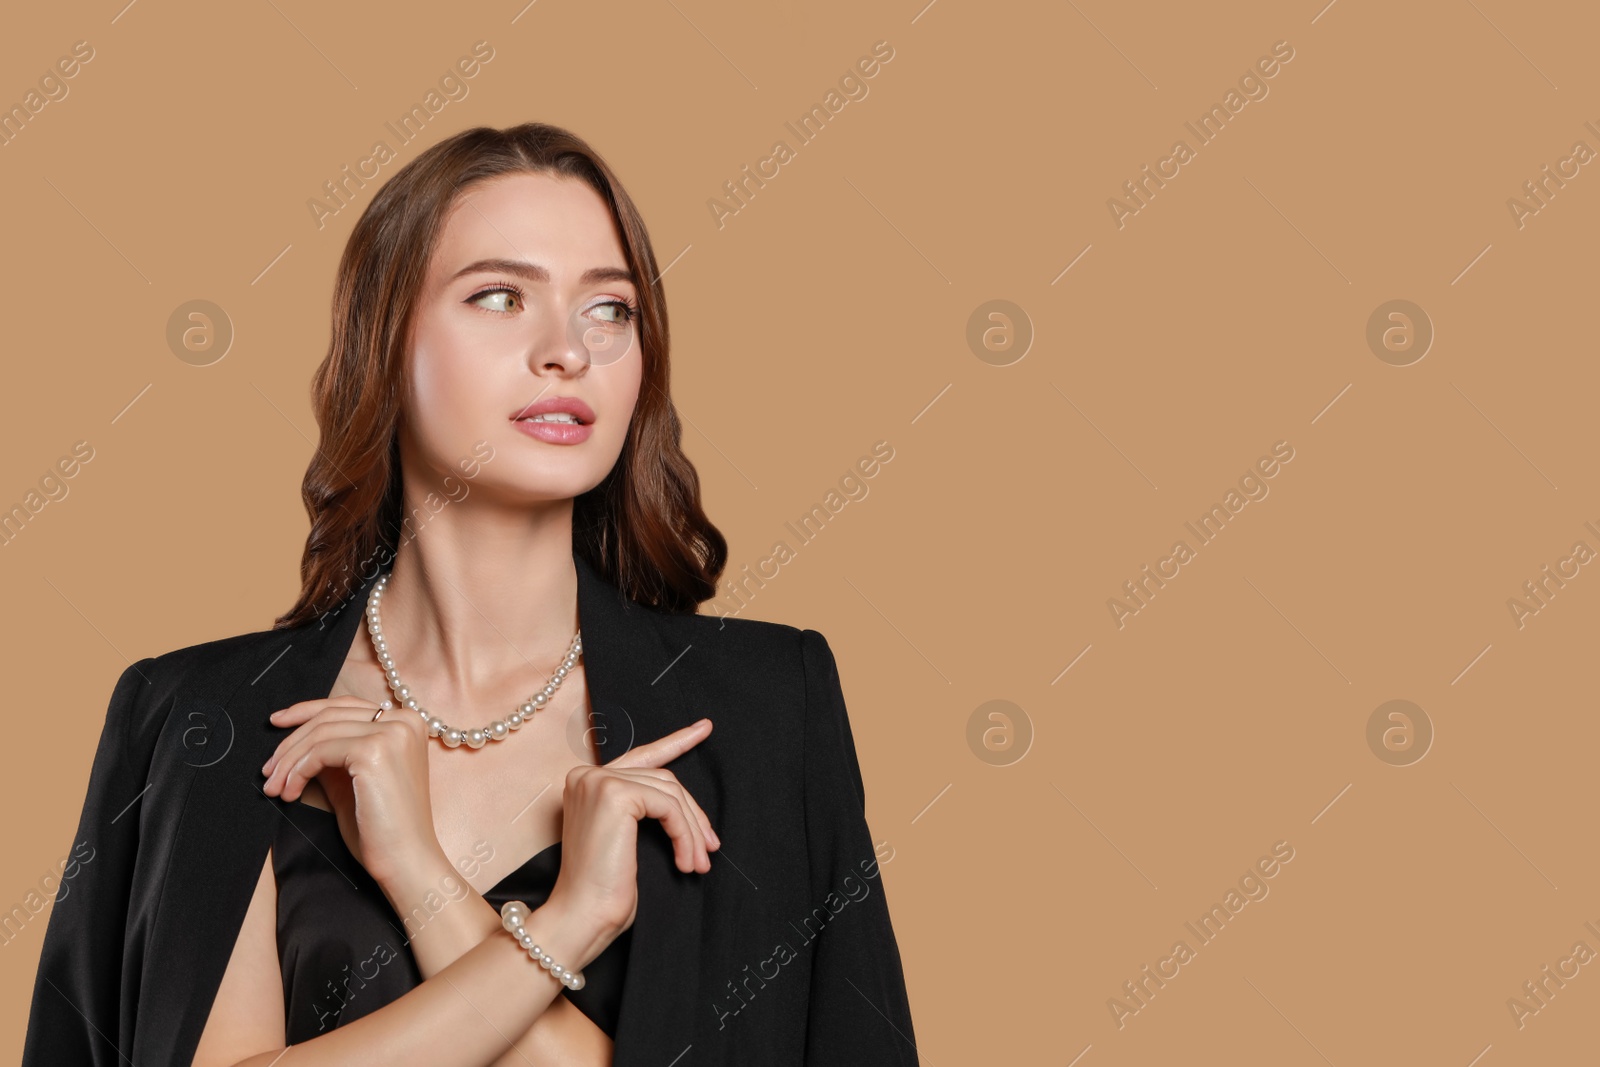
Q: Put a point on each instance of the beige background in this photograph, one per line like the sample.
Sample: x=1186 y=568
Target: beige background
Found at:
x=830 y=313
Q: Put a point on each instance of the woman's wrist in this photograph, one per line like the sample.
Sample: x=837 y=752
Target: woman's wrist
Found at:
x=567 y=934
x=414 y=877
x=445 y=917
x=442 y=914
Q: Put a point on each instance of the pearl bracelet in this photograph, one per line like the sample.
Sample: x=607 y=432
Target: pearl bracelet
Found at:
x=512 y=914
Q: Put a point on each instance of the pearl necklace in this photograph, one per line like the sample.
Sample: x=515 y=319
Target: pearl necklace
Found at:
x=499 y=729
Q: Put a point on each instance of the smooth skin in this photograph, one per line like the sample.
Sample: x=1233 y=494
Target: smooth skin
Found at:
x=481 y=604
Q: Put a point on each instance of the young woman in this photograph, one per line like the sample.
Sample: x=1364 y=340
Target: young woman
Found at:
x=464 y=803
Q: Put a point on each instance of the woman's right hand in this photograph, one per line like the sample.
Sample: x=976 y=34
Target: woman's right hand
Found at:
x=598 y=885
x=375 y=776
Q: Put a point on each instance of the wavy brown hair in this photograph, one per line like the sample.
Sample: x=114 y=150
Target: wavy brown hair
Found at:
x=642 y=528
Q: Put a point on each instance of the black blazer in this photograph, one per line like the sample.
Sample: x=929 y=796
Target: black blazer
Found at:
x=782 y=954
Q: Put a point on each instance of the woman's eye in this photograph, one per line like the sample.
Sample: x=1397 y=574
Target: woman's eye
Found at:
x=508 y=299
x=617 y=313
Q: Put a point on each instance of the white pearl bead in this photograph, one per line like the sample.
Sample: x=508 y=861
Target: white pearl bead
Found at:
x=498 y=730
x=476 y=738
x=452 y=737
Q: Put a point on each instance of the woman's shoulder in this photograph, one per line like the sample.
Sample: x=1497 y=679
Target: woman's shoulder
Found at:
x=165 y=670
x=215 y=651
x=737 y=642
x=774 y=661
x=147 y=690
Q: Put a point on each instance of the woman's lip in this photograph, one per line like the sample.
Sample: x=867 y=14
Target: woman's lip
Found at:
x=556 y=433
x=570 y=405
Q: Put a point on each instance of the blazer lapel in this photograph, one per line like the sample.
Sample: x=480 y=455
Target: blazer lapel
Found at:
x=634 y=692
x=208 y=762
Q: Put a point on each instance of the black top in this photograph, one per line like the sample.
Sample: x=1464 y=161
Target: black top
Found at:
x=782 y=955
x=345 y=953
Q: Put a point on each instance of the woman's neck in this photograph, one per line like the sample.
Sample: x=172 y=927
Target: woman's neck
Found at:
x=472 y=607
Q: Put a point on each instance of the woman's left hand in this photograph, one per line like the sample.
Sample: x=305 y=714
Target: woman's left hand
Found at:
x=375 y=775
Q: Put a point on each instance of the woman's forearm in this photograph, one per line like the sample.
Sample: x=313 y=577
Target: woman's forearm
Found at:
x=466 y=1015
x=438 y=934
x=562 y=1036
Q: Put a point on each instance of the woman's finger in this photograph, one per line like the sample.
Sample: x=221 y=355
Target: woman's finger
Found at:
x=694 y=838
x=712 y=840
x=643 y=798
x=335 y=749
x=664 y=750
x=288 y=752
x=331 y=713
x=284 y=771
x=295 y=714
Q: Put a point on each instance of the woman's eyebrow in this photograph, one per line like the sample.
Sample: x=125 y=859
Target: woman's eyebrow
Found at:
x=534 y=272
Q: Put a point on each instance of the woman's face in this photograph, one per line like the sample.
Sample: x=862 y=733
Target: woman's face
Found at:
x=528 y=299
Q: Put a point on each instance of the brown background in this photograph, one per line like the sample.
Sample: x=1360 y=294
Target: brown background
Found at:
x=832 y=313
